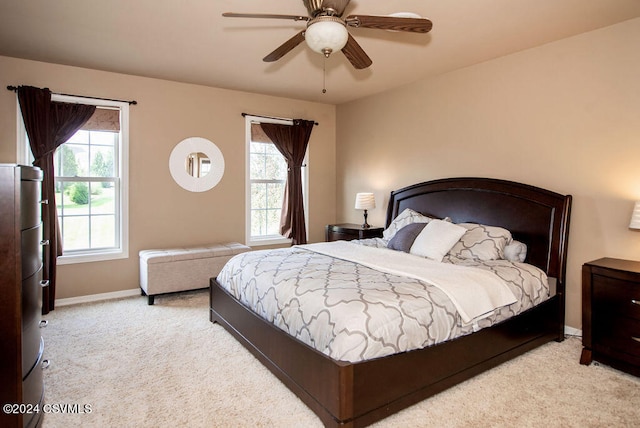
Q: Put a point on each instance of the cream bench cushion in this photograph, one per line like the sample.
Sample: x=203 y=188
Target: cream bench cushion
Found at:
x=180 y=269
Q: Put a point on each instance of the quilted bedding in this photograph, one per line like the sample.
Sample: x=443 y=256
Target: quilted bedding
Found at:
x=354 y=312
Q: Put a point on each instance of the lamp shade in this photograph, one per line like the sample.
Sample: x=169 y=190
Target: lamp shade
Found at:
x=635 y=217
x=326 y=34
x=365 y=201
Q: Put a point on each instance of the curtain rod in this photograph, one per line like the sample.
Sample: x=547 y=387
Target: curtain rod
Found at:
x=271 y=117
x=134 y=102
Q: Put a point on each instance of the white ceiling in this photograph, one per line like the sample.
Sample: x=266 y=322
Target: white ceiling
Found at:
x=189 y=40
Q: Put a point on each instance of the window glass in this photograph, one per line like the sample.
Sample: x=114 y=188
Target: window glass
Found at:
x=268 y=172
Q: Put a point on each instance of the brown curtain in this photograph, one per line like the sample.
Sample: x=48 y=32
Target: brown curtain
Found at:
x=292 y=141
x=48 y=125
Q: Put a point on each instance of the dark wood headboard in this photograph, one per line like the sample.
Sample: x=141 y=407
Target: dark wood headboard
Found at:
x=537 y=217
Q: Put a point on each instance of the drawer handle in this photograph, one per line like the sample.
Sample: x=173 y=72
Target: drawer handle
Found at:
x=44 y=323
x=45 y=364
x=44 y=283
x=44 y=242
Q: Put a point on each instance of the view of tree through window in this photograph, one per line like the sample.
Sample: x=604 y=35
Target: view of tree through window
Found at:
x=268 y=174
x=86 y=191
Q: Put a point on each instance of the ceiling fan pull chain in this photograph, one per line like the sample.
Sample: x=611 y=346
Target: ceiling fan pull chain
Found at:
x=324 y=76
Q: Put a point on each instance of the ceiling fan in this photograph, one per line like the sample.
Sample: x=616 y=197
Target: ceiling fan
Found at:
x=327 y=32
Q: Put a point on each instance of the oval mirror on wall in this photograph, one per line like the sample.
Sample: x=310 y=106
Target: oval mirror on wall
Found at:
x=196 y=164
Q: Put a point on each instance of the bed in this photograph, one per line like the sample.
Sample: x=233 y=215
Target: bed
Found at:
x=357 y=392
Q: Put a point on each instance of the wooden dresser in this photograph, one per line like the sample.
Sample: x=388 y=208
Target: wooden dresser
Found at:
x=21 y=283
x=611 y=313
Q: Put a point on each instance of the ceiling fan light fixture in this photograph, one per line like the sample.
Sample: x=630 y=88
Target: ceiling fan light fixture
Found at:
x=405 y=15
x=326 y=34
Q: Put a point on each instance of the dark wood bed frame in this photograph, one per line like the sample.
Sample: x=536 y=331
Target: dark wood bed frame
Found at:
x=358 y=394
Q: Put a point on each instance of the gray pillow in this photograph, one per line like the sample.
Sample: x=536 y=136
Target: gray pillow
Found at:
x=403 y=239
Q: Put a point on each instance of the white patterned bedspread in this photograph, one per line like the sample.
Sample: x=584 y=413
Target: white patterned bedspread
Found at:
x=354 y=312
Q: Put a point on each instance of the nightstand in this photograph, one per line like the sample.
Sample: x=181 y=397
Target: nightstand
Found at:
x=611 y=314
x=349 y=231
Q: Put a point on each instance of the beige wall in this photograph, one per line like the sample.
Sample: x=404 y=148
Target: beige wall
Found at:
x=564 y=116
x=162 y=214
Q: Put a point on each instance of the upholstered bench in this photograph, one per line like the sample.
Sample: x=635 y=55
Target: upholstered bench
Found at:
x=181 y=269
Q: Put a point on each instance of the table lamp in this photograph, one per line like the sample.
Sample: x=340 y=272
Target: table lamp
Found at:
x=366 y=201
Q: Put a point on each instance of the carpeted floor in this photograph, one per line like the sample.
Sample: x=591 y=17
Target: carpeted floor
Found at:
x=127 y=364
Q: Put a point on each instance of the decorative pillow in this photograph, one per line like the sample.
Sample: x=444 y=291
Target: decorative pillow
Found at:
x=406 y=217
x=403 y=239
x=482 y=242
x=436 y=239
x=515 y=252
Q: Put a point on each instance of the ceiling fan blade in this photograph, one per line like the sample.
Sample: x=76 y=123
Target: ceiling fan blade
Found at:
x=414 y=25
x=265 y=15
x=355 y=54
x=285 y=48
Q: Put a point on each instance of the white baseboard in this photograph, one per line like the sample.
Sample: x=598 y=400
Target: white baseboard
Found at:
x=570 y=331
x=97 y=297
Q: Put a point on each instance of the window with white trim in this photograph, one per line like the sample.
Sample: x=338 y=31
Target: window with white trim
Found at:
x=91 y=186
x=266 y=175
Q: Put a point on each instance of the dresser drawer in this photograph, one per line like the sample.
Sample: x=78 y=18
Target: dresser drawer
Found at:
x=33 y=393
x=31 y=250
x=29 y=204
x=612 y=296
x=32 y=384
x=32 y=299
x=337 y=236
x=31 y=348
x=617 y=333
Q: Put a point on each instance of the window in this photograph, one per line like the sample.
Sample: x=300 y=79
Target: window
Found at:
x=266 y=178
x=91 y=185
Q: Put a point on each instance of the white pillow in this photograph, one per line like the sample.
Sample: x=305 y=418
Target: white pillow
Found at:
x=436 y=239
x=482 y=242
x=408 y=216
x=515 y=252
